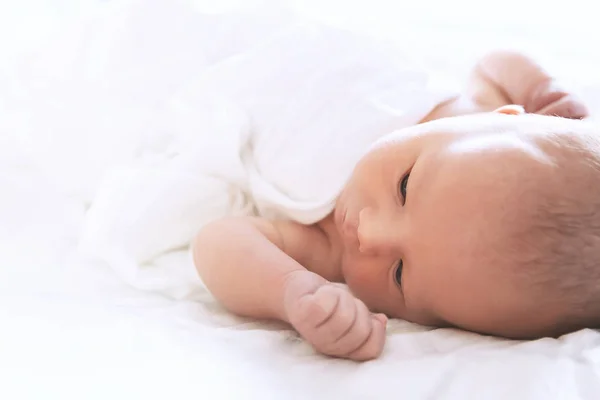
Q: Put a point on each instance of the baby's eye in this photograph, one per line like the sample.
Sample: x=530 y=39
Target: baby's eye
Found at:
x=398 y=273
x=403 y=184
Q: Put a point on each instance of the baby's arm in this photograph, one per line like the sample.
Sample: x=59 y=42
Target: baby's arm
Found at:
x=243 y=263
x=277 y=270
x=505 y=77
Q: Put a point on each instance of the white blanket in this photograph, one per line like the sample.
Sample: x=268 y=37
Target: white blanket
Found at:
x=273 y=131
x=85 y=163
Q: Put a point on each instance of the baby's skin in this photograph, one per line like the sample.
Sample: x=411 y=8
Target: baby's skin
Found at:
x=410 y=231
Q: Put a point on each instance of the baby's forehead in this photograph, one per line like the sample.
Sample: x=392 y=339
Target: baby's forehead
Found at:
x=491 y=145
x=499 y=183
x=530 y=125
x=491 y=176
x=495 y=168
x=493 y=138
x=492 y=121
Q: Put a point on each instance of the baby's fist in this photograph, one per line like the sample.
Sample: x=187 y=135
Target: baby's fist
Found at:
x=338 y=324
x=547 y=98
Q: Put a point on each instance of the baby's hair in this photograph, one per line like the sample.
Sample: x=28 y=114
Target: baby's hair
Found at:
x=563 y=236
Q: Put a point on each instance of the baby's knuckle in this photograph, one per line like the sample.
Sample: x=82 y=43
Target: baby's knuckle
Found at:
x=363 y=331
x=324 y=305
x=327 y=290
x=307 y=309
x=345 y=315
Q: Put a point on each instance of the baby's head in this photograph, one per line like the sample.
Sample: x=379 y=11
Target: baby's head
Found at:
x=489 y=222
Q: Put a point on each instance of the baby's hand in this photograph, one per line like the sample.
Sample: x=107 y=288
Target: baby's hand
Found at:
x=338 y=324
x=548 y=98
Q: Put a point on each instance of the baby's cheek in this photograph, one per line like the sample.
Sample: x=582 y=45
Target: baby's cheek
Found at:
x=367 y=282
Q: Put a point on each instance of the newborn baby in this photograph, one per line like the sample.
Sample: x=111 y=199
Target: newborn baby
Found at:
x=481 y=217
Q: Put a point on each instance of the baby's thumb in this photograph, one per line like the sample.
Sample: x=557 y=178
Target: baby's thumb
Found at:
x=381 y=318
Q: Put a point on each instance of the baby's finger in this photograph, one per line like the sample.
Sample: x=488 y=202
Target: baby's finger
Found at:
x=566 y=107
x=339 y=324
x=382 y=318
x=543 y=95
x=317 y=308
x=549 y=98
x=373 y=347
x=354 y=337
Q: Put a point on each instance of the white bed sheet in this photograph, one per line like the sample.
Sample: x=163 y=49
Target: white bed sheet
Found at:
x=70 y=329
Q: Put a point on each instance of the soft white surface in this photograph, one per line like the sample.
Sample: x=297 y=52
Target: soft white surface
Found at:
x=69 y=328
x=273 y=131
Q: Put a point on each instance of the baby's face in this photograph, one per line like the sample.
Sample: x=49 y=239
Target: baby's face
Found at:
x=424 y=214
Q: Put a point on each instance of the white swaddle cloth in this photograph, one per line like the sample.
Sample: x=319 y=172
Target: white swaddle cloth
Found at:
x=273 y=131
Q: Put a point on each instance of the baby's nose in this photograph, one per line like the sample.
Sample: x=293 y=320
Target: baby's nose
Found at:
x=375 y=233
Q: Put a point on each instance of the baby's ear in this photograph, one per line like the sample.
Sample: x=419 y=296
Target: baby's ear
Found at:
x=511 y=109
